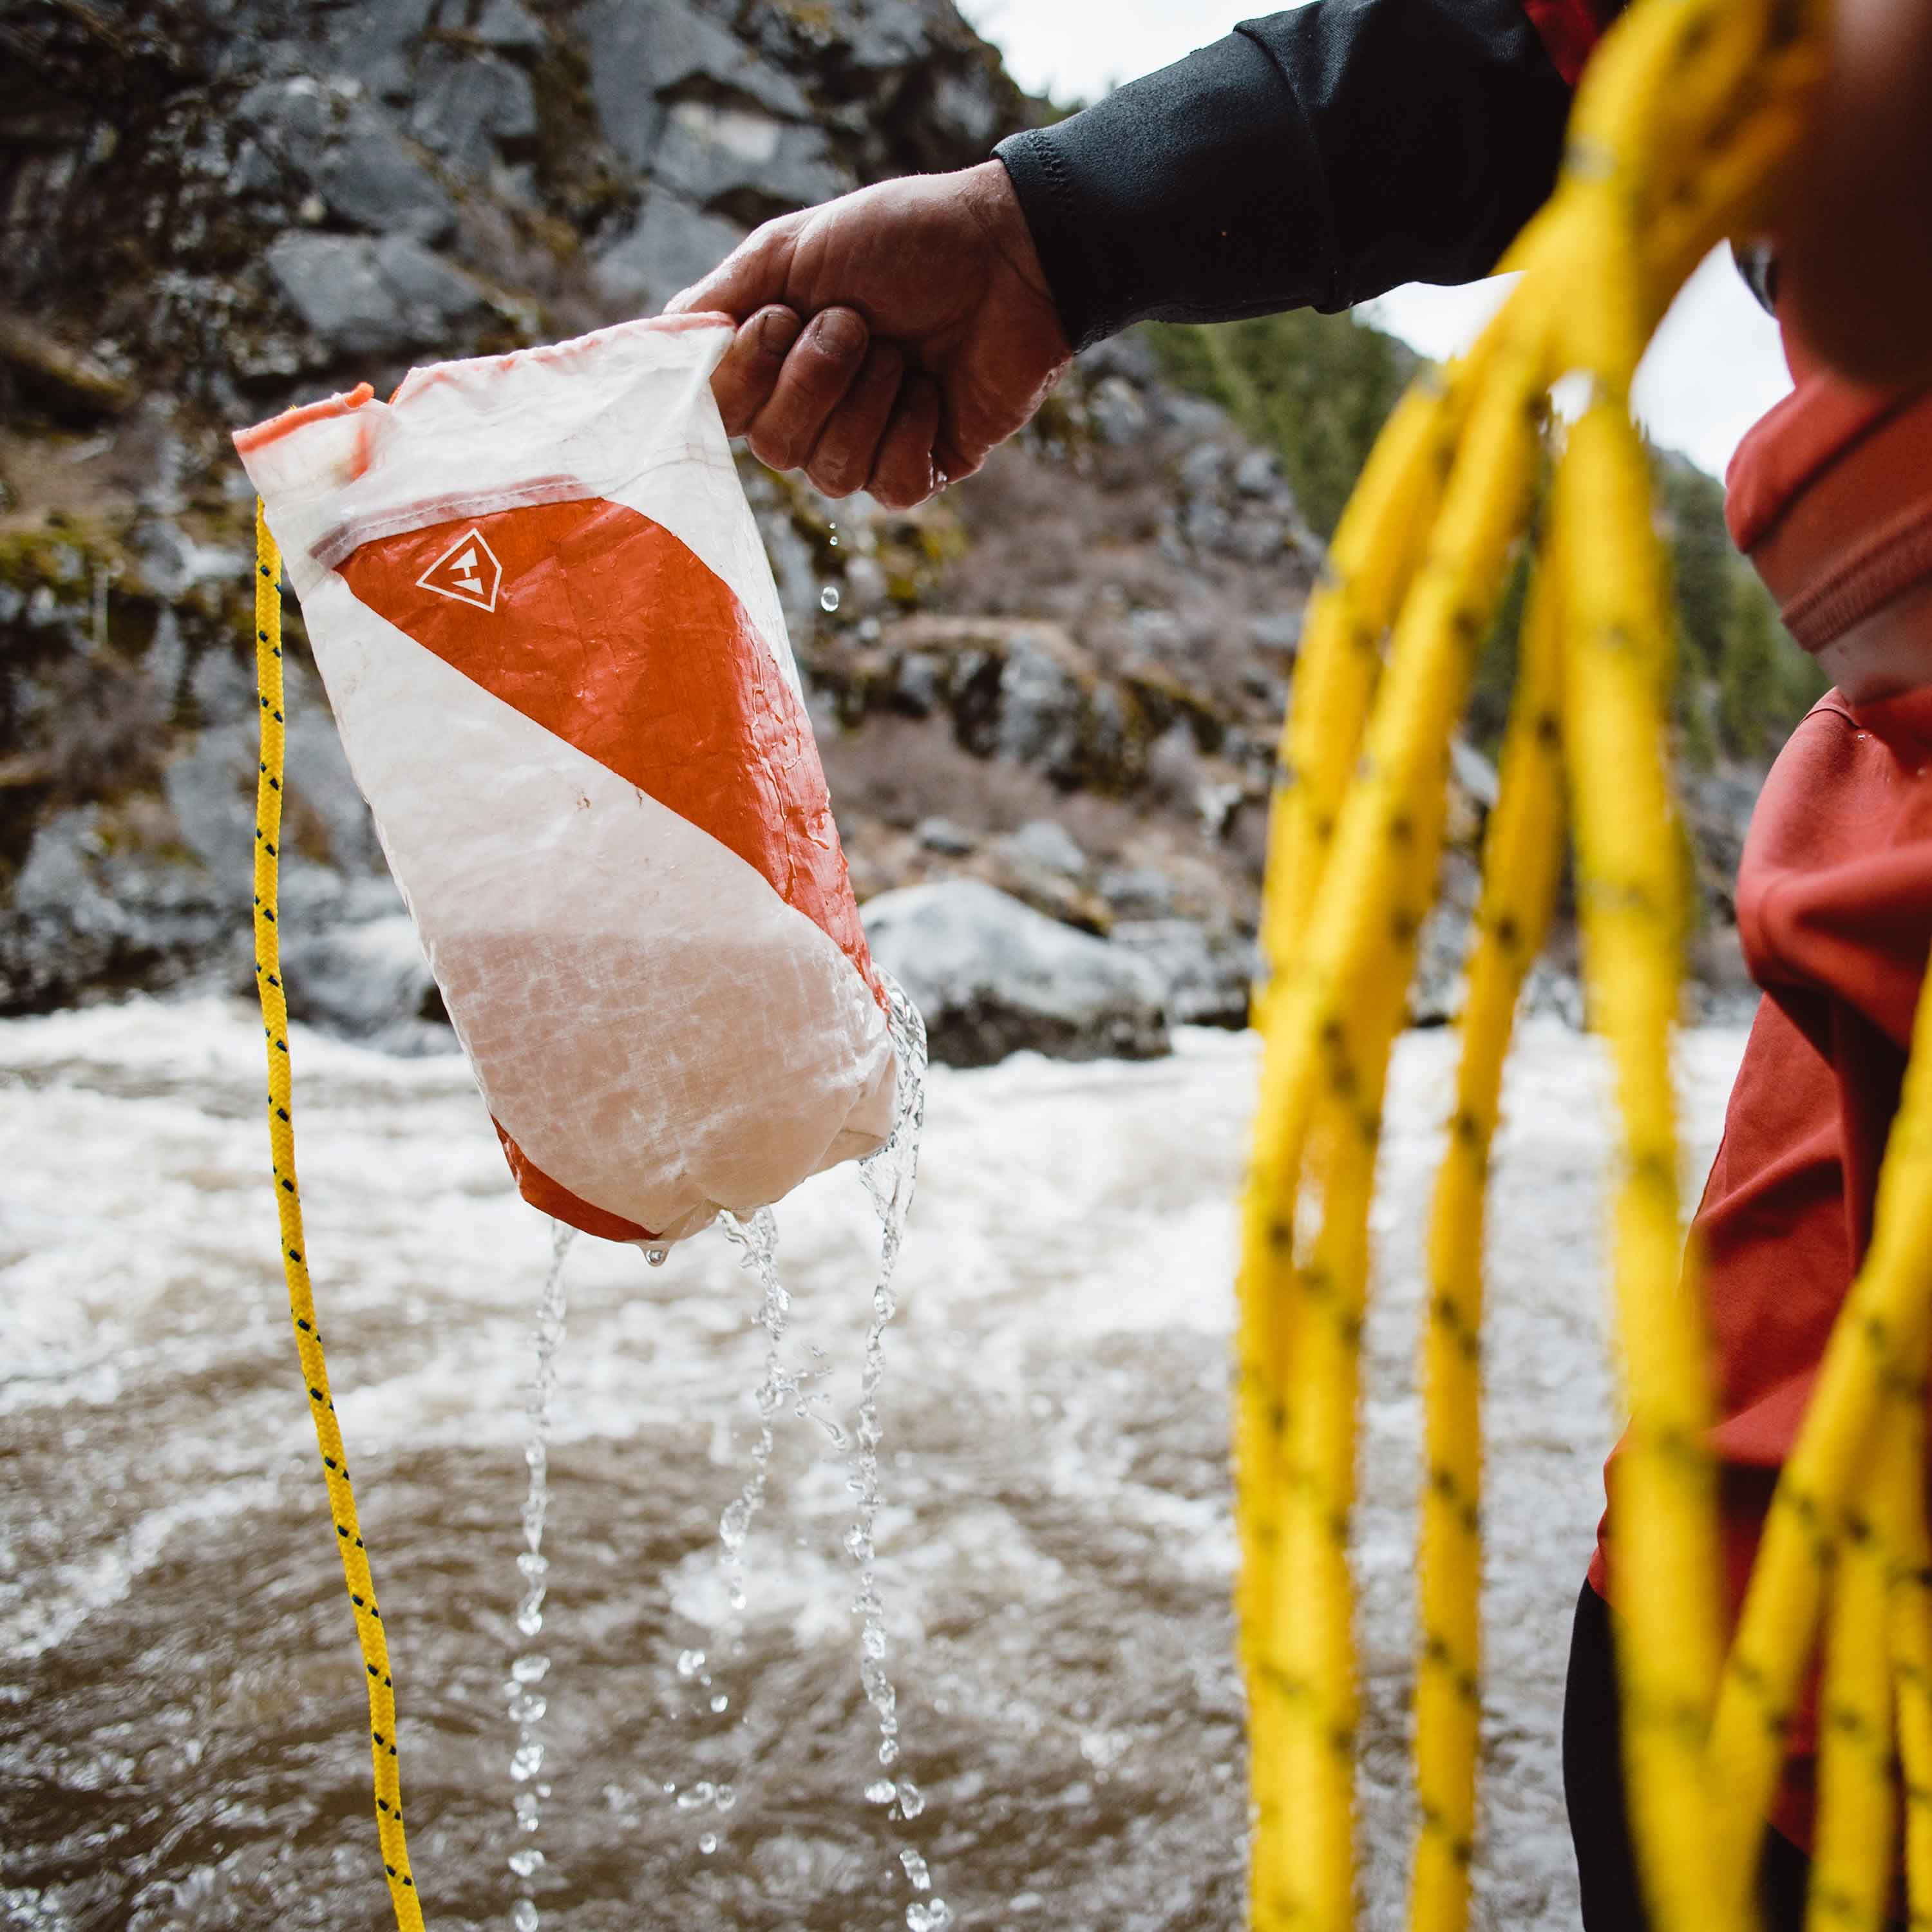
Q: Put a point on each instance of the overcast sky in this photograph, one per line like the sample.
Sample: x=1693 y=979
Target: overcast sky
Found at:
x=1714 y=369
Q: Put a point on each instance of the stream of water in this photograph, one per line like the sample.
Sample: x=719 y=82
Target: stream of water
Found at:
x=181 y=1740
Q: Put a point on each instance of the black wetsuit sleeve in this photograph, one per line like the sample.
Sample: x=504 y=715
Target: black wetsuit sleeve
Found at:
x=1312 y=159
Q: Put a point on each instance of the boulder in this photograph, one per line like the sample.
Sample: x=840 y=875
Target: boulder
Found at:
x=350 y=153
x=509 y=27
x=637 y=53
x=364 y=298
x=472 y=107
x=993 y=977
x=672 y=245
x=1045 y=843
x=369 y=981
x=745 y=158
x=1206 y=975
x=943 y=836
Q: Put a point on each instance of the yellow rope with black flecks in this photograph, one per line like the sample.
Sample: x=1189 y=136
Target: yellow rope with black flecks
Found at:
x=295 y=1264
x=1687 y=110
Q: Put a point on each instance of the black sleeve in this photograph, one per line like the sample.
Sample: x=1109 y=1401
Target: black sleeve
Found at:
x=1312 y=159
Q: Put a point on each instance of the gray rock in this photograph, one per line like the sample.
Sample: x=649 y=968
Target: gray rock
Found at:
x=294 y=119
x=509 y=27
x=1041 y=709
x=1042 y=842
x=369 y=177
x=1137 y=892
x=1276 y=630
x=1206 y=977
x=672 y=246
x=993 y=977
x=638 y=52
x=1117 y=410
x=471 y=107
x=369 y=980
x=711 y=153
x=1256 y=474
x=370 y=298
x=943 y=835
x=345 y=150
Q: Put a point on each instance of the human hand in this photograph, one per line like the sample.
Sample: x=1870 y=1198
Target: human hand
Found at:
x=889 y=339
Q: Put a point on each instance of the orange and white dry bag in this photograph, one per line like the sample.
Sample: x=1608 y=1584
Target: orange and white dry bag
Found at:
x=539 y=602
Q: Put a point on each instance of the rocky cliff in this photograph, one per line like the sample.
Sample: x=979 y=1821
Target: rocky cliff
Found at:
x=1064 y=679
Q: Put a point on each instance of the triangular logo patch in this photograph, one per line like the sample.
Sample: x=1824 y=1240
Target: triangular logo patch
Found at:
x=465 y=573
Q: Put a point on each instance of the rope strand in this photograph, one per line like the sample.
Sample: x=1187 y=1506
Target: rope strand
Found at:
x=269 y=684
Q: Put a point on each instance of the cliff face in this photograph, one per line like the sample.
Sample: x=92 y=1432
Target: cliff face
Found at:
x=1065 y=678
x=210 y=210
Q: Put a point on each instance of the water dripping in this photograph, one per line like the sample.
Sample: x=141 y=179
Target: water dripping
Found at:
x=828 y=599
x=890 y=1176
x=756 y=1239
x=526 y=1706
x=657 y=1257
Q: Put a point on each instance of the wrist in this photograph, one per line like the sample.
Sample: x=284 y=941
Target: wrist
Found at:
x=987 y=190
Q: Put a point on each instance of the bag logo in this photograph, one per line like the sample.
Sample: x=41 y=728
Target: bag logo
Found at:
x=465 y=573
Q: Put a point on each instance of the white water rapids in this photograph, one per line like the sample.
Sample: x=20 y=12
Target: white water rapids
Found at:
x=182 y=1738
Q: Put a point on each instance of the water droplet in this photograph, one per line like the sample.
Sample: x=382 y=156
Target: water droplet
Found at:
x=719 y=1703
x=828 y=598
x=524 y=1708
x=708 y=1843
x=916 y=1869
x=695 y=1797
x=690 y=1663
x=527 y=1762
x=530 y=1812
x=524 y=1915
x=888 y=1750
x=873 y=1642
x=726 y=1798
x=657 y=1257
x=833 y=539
x=912 y=1800
x=532 y=1565
x=529 y=1620
x=526 y=1862
x=880 y=1792
x=529 y=1670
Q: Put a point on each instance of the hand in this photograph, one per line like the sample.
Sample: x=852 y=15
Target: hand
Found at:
x=1855 y=242
x=887 y=340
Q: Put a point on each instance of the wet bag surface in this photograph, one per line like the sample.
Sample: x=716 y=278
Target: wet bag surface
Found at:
x=539 y=602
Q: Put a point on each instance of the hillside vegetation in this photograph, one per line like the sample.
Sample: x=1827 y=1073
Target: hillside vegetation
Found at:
x=1317 y=388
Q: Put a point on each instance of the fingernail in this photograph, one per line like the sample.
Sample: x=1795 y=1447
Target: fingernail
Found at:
x=838 y=331
x=776 y=328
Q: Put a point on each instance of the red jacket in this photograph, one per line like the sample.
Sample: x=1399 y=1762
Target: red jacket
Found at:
x=1835 y=910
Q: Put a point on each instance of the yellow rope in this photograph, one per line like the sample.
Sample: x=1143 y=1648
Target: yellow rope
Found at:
x=1688 y=109
x=1523 y=852
x=295 y=1264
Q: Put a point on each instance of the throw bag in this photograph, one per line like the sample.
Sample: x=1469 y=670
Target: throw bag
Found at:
x=539 y=602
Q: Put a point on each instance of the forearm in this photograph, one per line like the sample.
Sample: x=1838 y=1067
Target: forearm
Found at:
x=1311 y=159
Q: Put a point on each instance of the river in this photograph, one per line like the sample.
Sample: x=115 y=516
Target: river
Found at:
x=181 y=1725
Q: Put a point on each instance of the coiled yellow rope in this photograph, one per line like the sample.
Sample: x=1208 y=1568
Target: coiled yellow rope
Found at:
x=1688 y=109
x=294 y=1265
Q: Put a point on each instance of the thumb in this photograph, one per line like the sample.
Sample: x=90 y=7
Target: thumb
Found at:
x=753 y=274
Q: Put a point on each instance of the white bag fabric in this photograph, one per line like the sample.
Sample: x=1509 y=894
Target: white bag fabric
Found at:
x=539 y=602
